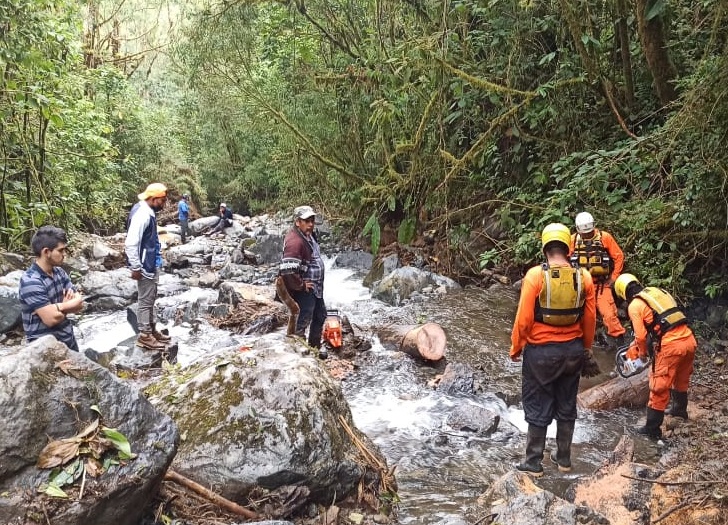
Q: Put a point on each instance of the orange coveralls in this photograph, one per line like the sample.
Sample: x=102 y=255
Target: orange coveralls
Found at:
x=527 y=330
x=673 y=360
x=605 y=300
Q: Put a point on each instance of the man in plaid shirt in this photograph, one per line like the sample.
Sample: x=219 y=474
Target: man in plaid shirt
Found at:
x=302 y=270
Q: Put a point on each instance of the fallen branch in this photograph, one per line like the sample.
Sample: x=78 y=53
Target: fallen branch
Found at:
x=218 y=500
x=674 y=482
x=672 y=509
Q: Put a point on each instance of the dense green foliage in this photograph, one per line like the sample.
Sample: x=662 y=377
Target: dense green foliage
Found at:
x=476 y=119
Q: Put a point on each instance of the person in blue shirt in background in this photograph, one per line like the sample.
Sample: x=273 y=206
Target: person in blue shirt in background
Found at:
x=183 y=214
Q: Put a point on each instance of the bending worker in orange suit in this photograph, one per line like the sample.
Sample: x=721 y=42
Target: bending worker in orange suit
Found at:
x=554 y=331
x=658 y=321
x=598 y=252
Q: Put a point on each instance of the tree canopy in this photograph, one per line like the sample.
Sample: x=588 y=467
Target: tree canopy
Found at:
x=405 y=114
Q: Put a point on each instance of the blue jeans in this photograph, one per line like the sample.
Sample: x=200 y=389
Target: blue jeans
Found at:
x=313 y=313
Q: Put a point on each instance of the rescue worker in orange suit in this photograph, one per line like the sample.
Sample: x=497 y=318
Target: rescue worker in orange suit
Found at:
x=660 y=328
x=553 y=331
x=598 y=252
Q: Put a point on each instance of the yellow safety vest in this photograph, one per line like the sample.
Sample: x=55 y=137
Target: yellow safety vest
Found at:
x=561 y=301
x=592 y=255
x=665 y=313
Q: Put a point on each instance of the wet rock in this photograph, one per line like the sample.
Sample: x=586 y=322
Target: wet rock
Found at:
x=268 y=249
x=10 y=310
x=11 y=261
x=400 y=284
x=473 y=418
x=269 y=418
x=381 y=267
x=233 y=293
x=53 y=391
x=116 y=288
x=458 y=378
x=359 y=260
x=200 y=225
x=10 y=314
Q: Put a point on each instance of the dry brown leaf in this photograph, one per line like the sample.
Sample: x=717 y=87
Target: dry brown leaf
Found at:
x=67 y=367
x=58 y=453
x=89 y=429
x=94 y=468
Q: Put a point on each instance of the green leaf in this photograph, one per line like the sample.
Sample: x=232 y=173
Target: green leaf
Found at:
x=120 y=442
x=376 y=238
x=391 y=203
x=655 y=9
x=54 y=491
x=370 y=224
x=406 y=231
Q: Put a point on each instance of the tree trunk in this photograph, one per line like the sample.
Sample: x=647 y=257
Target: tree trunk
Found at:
x=654 y=46
x=622 y=30
x=427 y=341
x=618 y=392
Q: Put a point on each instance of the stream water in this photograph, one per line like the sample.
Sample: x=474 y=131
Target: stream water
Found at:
x=440 y=471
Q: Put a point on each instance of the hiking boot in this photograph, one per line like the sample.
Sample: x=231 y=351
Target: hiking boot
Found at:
x=323 y=353
x=147 y=341
x=678 y=406
x=564 y=434
x=535 y=443
x=652 y=429
x=162 y=337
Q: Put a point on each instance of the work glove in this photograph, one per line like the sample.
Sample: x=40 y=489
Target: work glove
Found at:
x=590 y=367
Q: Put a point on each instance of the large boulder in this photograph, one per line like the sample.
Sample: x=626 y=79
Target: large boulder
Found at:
x=400 y=284
x=268 y=249
x=50 y=393
x=269 y=418
x=116 y=288
x=10 y=311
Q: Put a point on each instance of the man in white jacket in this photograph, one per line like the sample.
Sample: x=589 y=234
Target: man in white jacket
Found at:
x=143 y=252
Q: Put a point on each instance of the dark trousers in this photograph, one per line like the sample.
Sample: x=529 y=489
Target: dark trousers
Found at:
x=184 y=229
x=221 y=225
x=313 y=313
x=550 y=381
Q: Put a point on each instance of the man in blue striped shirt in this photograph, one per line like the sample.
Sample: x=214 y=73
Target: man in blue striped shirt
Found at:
x=46 y=293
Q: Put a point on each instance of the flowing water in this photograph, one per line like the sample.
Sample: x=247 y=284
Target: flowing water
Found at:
x=439 y=471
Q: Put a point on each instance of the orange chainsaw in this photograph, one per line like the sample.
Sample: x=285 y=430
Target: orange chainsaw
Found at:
x=332 y=329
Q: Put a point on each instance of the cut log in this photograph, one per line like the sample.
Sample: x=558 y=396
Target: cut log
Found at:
x=426 y=341
x=618 y=392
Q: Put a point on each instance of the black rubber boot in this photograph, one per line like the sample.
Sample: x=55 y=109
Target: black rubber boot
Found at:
x=652 y=426
x=564 y=434
x=678 y=406
x=535 y=443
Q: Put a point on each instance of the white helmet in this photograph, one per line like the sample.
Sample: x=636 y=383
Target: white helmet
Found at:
x=584 y=222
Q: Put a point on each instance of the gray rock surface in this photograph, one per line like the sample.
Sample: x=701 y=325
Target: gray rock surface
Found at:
x=51 y=393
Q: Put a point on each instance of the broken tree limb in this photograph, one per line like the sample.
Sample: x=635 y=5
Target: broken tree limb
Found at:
x=617 y=392
x=218 y=500
x=426 y=341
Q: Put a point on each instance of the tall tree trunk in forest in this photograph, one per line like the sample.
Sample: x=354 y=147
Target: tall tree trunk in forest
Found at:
x=622 y=30
x=654 y=46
